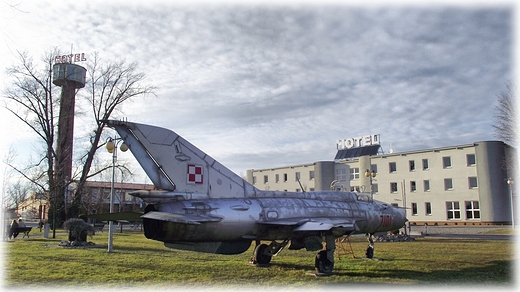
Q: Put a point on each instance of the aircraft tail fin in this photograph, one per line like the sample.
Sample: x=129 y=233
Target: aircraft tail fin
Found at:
x=174 y=164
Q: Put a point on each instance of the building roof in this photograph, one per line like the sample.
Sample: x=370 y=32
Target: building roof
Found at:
x=357 y=152
x=127 y=186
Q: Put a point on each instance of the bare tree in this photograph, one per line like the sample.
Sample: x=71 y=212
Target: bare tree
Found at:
x=506 y=128
x=8 y=158
x=108 y=88
x=506 y=117
x=32 y=100
x=16 y=193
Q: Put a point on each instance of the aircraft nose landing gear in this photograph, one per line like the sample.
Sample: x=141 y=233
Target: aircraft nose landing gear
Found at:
x=370 y=249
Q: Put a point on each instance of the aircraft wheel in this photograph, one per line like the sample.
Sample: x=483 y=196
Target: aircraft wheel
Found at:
x=260 y=256
x=322 y=263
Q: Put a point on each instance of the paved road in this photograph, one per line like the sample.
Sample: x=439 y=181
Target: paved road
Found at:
x=475 y=236
x=471 y=232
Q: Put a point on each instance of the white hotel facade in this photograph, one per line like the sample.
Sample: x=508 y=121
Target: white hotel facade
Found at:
x=456 y=185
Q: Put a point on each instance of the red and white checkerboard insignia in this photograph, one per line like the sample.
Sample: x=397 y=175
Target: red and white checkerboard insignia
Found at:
x=194 y=174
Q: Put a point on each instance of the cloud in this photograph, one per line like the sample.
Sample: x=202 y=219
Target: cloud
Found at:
x=260 y=85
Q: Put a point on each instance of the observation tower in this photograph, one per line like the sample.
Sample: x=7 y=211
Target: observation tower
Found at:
x=69 y=77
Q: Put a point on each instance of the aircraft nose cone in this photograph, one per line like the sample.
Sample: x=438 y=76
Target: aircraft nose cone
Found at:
x=400 y=218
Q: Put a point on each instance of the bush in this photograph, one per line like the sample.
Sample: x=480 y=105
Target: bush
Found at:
x=78 y=229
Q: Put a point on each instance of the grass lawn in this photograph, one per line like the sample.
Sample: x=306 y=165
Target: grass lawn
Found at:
x=139 y=262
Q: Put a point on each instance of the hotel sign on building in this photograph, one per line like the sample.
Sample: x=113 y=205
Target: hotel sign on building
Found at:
x=357 y=142
x=357 y=146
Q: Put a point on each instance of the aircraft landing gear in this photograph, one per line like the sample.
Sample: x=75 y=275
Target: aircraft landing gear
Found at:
x=263 y=252
x=370 y=249
x=261 y=255
x=324 y=262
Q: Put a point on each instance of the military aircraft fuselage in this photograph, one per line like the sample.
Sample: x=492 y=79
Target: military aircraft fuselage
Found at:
x=284 y=216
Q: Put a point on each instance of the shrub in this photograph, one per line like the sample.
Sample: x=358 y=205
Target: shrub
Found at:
x=78 y=229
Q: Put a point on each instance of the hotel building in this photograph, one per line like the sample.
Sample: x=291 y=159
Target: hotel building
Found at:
x=456 y=185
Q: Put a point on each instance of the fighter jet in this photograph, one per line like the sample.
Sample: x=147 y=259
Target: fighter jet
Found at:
x=202 y=206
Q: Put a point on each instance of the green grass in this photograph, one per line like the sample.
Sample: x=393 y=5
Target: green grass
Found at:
x=139 y=262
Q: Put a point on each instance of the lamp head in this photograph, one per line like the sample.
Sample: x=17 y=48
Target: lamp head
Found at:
x=123 y=147
x=370 y=174
x=110 y=146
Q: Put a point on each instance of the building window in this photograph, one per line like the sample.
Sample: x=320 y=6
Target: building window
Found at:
x=470 y=158
x=413 y=186
x=285 y=177
x=414 y=208
x=426 y=184
x=453 y=210
x=412 y=165
x=472 y=210
x=392 y=167
x=425 y=164
x=277 y=178
x=375 y=188
x=472 y=182
x=393 y=187
x=311 y=174
x=254 y=179
x=446 y=162
x=119 y=197
x=428 y=207
x=354 y=173
x=297 y=176
x=266 y=179
x=341 y=174
x=448 y=184
x=373 y=168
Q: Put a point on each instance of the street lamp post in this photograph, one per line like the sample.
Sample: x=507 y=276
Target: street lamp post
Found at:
x=371 y=175
x=111 y=146
x=510 y=182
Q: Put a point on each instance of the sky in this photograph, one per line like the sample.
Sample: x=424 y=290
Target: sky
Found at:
x=269 y=84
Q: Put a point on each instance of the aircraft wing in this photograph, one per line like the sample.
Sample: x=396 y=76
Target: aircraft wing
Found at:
x=180 y=218
x=314 y=224
x=129 y=216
